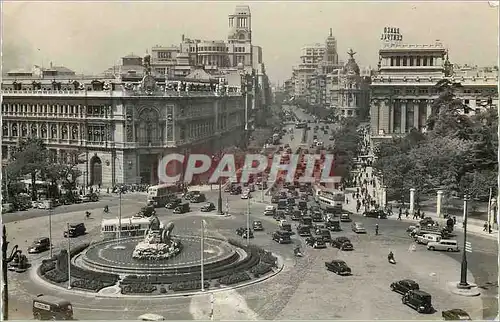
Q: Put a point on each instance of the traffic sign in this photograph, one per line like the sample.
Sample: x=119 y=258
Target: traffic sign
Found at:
x=468 y=247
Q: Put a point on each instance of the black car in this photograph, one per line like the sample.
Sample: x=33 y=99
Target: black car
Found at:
x=302 y=205
x=338 y=266
x=455 y=315
x=291 y=201
x=317 y=216
x=198 y=198
x=279 y=215
x=174 y=203
x=257 y=225
x=39 y=245
x=236 y=191
x=190 y=194
x=75 y=230
x=304 y=231
x=375 y=214
x=342 y=243
x=209 y=206
x=333 y=225
x=282 y=237
x=275 y=199
x=243 y=232
x=182 y=208
x=419 y=300
x=404 y=286
x=296 y=215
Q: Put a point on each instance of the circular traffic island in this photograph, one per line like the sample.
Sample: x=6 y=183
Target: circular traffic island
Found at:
x=109 y=267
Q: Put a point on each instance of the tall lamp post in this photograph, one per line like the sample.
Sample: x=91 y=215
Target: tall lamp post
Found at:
x=5 y=260
x=217 y=158
x=463 y=267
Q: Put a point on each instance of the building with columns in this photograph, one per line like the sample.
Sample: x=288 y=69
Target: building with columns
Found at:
x=119 y=128
x=403 y=88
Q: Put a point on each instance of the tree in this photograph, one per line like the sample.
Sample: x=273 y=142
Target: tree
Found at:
x=30 y=159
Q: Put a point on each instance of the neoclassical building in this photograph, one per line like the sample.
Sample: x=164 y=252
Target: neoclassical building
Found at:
x=119 y=129
x=403 y=89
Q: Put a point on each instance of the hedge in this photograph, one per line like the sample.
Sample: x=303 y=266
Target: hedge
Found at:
x=260 y=269
x=234 y=278
x=138 y=289
x=188 y=285
x=92 y=285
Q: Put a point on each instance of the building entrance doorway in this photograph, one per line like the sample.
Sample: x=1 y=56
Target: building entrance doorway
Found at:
x=148 y=169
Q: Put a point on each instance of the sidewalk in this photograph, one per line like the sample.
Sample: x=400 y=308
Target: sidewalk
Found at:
x=474 y=226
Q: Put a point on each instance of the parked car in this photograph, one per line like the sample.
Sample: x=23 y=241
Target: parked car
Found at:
x=456 y=315
x=448 y=245
x=418 y=300
x=403 y=286
x=303 y=231
x=333 y=225
x=209 y=206
x=39 y=245
x=338 y=266
x=358 y=228
x=319 y=243
x=257 y=225
x=90 y=197
x=324 y=235
x=296 y=215
x=342 y=243
x=198 y=198
x=236 y=191
x=245 y=195
x=190 y=194
x=75 y=230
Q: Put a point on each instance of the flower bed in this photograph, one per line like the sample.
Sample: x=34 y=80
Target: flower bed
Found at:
x=261 y=269
x=92 y=285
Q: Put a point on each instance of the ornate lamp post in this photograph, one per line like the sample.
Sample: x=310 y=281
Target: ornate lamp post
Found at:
x=463 y=268
x=5 y=260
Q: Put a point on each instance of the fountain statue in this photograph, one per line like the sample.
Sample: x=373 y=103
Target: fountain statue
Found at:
x=158 y=242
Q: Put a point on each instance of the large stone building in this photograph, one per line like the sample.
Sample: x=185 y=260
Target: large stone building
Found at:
x=403 y=89
x=119 y=128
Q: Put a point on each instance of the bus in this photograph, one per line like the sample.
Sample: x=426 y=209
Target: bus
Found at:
x=130 y=227
x=160 y=195
x=329 y=198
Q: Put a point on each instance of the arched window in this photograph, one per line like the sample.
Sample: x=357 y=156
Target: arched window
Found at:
x=149 y=130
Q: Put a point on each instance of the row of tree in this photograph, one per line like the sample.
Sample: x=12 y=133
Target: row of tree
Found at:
x=32 y=159
x=456 y=154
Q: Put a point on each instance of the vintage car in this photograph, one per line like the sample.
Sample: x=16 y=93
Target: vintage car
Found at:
x=303 y=231
x=403 y=286
x=19 y=264
x=174 y=203
x=418 y=300
x=375 y=214
x=338 y=266
x=285 y=226
x=198 y=198
x=317 y=216
x=345 y=218
x=242 y=231
x=209 y=206
x=342 y=243
x=358 y=228
x=269 y=211
x=456 y=315
x=246 y=194
x=324 y=234
x=39 y=245
x=333 y=225
x=235 y=190
x=257 y=225
x=296 y=215
x=280 y=215
x=282 y=237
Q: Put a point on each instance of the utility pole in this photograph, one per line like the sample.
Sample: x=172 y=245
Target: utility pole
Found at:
x=202 y=245
x=248 y=221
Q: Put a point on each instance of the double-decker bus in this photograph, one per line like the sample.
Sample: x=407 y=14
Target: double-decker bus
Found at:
x=329 y=198
x=160 y=195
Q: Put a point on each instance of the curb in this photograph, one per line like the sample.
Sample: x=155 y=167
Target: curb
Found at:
x=39 y=280
x=470 y=292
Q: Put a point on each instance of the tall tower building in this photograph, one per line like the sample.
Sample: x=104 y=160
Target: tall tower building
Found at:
x=331 y=54
x=240 y=37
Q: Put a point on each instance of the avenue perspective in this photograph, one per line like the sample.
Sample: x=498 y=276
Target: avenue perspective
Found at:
x=199 y=181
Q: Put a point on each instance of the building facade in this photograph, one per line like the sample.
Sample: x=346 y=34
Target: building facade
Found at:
x=120 y=129
x=403 y=89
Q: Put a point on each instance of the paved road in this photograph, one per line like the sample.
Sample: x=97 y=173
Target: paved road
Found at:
x=304 y=290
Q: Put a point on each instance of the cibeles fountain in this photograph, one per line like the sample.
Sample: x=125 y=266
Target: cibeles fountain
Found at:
x=158 y=243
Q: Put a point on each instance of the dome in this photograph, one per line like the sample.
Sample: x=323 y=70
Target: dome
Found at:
x=351 y=67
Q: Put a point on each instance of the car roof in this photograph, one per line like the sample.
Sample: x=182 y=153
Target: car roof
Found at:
x=421 y=293
x=151 y=317
x=409 y=281
x=338 y=261
x=51 y=299
x=458 y=311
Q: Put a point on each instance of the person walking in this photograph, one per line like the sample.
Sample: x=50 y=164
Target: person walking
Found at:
x=485 y=226
x=407 y=213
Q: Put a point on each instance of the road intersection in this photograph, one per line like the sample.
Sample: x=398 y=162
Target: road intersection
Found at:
x=303 y=290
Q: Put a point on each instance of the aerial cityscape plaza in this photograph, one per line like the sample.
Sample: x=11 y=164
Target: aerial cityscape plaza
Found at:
x=341 y=166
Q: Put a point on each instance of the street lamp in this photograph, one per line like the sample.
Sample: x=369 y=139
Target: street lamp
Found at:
x=5 y=260
x=463 y=268
x=218 y=158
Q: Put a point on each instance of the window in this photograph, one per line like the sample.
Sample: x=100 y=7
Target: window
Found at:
x=466 y=102
x=411 y=61
x=398 y=61
x=431 y=61
x=418 y=61
x=405 y=61
x=164 y=55
x=424 y=61
x=392 y=61
x=96 y=133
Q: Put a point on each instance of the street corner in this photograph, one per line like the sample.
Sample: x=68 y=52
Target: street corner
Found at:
x=469 y=290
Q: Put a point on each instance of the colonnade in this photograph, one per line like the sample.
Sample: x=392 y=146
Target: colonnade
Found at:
x=400 y=115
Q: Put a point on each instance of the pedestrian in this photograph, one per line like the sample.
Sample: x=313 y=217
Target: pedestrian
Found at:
x=407 y=213
x=399 y=215
x=489 y=228
x=454 y=220
x=485 y=226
